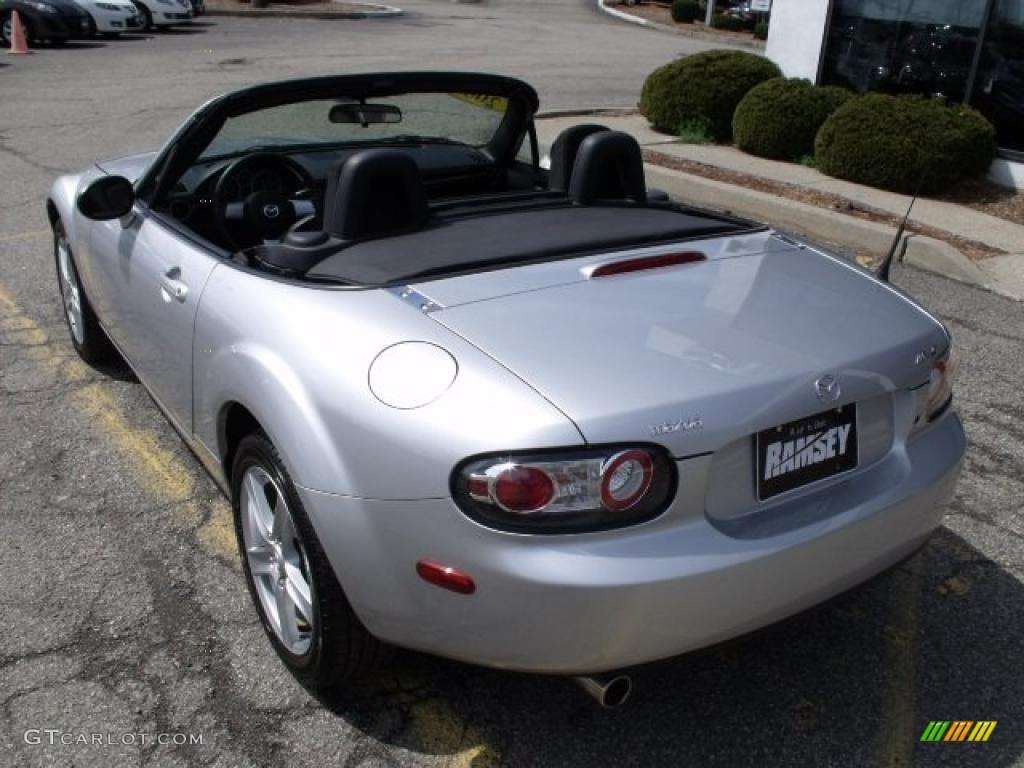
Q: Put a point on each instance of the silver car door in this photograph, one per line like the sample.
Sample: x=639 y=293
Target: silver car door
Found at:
x=153 y=278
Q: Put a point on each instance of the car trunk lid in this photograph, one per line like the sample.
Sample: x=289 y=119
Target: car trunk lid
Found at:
x=695 y=356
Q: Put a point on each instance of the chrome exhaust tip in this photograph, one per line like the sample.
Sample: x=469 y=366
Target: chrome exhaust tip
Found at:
x=610 y=691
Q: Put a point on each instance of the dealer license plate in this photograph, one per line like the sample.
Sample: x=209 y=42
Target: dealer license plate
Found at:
x=806 y=450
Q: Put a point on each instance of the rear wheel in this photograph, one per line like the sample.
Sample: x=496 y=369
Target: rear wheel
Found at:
x=88 y=338
x=302 y=606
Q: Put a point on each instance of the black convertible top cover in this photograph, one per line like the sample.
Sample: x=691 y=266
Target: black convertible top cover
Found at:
x=449 y=247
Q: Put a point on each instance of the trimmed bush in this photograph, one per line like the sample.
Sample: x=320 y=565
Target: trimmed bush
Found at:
x=685 y=11
x=780 y=118
x=728 y=23
x=704 y=88
x=760 y=31
x=895 y=142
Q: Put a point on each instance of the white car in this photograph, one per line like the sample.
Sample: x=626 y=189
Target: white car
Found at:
x=163 y=13
x=111 y=17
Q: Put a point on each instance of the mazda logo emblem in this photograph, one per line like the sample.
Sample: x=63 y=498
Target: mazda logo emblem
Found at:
x=827 y=388
x=271 y=211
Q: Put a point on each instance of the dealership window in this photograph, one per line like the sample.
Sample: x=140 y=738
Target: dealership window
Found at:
x=963 y=50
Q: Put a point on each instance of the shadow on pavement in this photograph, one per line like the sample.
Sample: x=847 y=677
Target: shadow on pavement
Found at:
x=77 y=45
x=852 y=682
x=189 y=30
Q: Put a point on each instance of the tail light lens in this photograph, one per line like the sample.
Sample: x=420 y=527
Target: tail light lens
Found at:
x=940 y=385
x=935 y=397
x=566 y=491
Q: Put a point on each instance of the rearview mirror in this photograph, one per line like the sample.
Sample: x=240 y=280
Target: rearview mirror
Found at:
x=106 y=198
x=365 y=114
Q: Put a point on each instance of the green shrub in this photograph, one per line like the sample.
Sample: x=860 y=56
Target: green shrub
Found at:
x=728 y=23
x=685 y=10
x=780 y=118
x=761 y=31
x=706 y=87
x=895 y=142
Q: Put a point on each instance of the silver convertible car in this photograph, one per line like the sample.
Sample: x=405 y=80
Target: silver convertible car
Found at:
x=540 y=419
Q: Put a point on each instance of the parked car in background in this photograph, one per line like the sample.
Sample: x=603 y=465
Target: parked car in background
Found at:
x=52 y=20
x=111 y=17
x=163 y=13
x=198 y=7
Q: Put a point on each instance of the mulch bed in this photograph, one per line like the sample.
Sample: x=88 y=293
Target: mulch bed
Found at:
x=984 y=196
x=971 y=248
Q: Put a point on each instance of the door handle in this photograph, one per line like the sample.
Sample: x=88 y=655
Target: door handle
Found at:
x=171 y=287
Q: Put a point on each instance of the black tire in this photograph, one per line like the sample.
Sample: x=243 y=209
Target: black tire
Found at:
x=146 y=16
x=341 y=648
x=93 y=347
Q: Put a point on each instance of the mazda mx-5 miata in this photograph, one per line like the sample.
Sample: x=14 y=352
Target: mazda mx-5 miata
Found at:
x=541 y=419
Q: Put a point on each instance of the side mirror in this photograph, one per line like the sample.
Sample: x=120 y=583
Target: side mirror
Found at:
x=106 y=198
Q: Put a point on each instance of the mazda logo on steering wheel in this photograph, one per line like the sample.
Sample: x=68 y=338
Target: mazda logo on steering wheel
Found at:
x=271 y=211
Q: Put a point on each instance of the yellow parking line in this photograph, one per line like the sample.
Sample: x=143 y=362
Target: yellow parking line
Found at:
x=165 y=476
x=897 y=736
x=438 y=730
x=24 y=235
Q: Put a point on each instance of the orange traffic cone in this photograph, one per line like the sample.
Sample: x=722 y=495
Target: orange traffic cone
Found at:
x=18 y=42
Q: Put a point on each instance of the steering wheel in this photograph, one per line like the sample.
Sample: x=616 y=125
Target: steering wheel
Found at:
x=254 y=203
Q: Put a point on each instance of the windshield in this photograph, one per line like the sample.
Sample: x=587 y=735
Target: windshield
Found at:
x=466 y=118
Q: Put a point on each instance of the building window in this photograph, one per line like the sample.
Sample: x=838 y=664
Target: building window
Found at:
x=999 y=86
x=962 y=50
x=903 y=46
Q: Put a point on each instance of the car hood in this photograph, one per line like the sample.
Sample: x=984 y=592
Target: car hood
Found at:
x=131 y=166
x=696 y=356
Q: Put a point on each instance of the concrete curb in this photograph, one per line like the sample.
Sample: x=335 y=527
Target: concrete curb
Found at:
x=625 y=16
x=631 y=19
x=819 y=224
x=380 y=12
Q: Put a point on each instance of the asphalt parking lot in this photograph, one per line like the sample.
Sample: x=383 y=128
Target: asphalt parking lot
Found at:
x=123 y=610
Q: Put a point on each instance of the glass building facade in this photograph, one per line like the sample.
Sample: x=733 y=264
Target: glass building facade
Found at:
x=963 y=50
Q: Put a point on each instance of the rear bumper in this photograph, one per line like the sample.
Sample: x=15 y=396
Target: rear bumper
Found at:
x=595 y=602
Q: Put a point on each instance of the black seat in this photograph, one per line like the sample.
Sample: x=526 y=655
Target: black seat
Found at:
x=375 y=192
x=609 y=167
x=563 y=154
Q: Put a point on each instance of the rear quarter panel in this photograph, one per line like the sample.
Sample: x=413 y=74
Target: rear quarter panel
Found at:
x=297 y=357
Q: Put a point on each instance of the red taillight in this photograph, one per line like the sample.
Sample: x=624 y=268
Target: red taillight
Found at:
x=445 y=577
x=523 y=489
x=625 y=478
x=647 y=262
x=566 y=490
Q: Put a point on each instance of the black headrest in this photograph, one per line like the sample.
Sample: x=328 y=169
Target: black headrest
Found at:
x=563 y=154
x=374 y=192
x=609 y=166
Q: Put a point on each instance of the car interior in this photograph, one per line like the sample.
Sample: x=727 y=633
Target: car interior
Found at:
x=407 y=207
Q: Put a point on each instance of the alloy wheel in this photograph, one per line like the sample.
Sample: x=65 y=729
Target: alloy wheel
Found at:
x=277 y=561
x=70 y=291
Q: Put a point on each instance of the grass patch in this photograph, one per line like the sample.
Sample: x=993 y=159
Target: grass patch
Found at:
x=808 y=161
x=695 y=132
